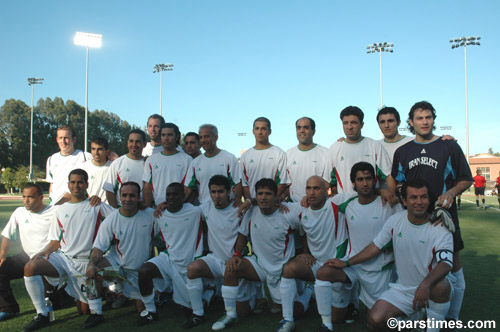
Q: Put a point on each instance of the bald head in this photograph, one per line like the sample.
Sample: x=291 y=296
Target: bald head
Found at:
x=316 y=192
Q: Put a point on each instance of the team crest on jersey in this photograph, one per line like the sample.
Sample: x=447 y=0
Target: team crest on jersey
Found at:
x=92 y=177
x=367 y=155
x=342 y=158
x=166 y=225
x=127 y=170
x=254 y=225
x=352 y=217
x=66 y=216
x=421 y=241
x=121 y=233
x=156 y=167
x=26 y=222
x=423 y=151
x=294 y=163
x=251 y=161
x=276 y=227
x=199 y=169
x=400 y=235
x=305 y=218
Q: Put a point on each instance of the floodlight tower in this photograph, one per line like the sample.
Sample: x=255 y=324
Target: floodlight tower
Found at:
x=380 y=47
x=456 y=43
x=88 y=40
x=31 y=82
x=161 y=68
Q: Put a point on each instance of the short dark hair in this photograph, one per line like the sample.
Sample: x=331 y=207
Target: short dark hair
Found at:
x=263 y=119
x=389 y=110
x=132 y=184
x=139 y=132
x=176 y=131
x=352 y=110
x=192 y=133
x=424 y=106
x=311 y=122
x=176 y=186
x=101 y=141
x=39 y=189
x=267 y=183
x=220 y=180
x=414 y=183
x=67 y=127
x=362 y=166
x=79 y=171
x=157 y=117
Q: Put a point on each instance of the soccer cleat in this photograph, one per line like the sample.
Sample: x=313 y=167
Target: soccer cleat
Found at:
x=260 y=305
x=92 y=321
x=161 y=299
x=276 y=308
x=192 y=321
x=323 y=328
x=351 y=315
x=477 y=208
x=286 y=326
x=4 y=315
x=37 y=323
x=484 y=207
x=146 y=317
x=224 y=322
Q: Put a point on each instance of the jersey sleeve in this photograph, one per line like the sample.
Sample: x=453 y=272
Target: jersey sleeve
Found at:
x=104 y=237
x=293 y=215
x=281 y=176
x=10 y=230
x=109 y=181
x=443 y=246
x=383 y=162
x=329 y=169
x=147 y=175
x=198 y=252
x=244 y=228
x=55 y=230
x=106 y=209
x=234 y=172
x=191 y=181
x=243 y=171
x=459 y=163
x=384 y=237
x=397 y=170
x=342 y=237
x=49 y=178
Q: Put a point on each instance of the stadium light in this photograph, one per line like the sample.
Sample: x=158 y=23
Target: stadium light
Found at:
x=31 y=82
x=88 y=40
x=456 y=43
x=161 y=67
x=380 y=48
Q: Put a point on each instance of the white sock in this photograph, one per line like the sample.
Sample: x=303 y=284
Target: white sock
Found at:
x=95 y=306
x=354 y=295
x=305 y=297
x=207 y=295
x=436 y=312
x=229 y=293
x=34 y=286
x=259 y=290
x=149 y=302
x=195 y=291
x=288 y=291
x=458 y=282
x=323 y=291
x=301 y=285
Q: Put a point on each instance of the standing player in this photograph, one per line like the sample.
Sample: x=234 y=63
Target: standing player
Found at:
x=213 y=162
x=497 y=186
x=127 y=168
x=305 y=159
x=61 y=163
x=180 y=228
x=97 y=168
x=192 y=144
x=264 y=160
x=164 y=168
x=31 y=223
x=443 y=165
x=388 y=121
x=155 y=122
x=479 y=185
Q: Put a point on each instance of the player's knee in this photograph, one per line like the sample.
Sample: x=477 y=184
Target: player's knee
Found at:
x=289 y=269
x=146 y=271
x=193 y=270
x=323 y=273
x=376 y=319
x=440 y=293
x=29 y=269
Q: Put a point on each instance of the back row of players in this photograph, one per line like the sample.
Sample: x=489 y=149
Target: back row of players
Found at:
x=438 y=161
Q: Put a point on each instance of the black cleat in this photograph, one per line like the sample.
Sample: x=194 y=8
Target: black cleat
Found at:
x=323 y=328
x=92 y=321
x=146 y=317
x=37 y=323
x=192 y=321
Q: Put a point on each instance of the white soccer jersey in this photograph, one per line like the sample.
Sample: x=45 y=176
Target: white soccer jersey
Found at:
x=272 y=237
x=97 y=175
x=161 y=170
x=416 y=247
x=123 y=170
x=301 y=165
x=223 y=225
x=31 y=228
x=342 y=156
x=203 y=168
x=182 y=233
x=58 y=168
x=127 y=238
x=391 y=147
x=325 y=231
x=364 y=222
x=76 y=227
x=150 y=150
x=258 y=164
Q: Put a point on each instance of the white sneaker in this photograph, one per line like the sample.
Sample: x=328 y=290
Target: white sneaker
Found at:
x=224 y=322
x=286 y=326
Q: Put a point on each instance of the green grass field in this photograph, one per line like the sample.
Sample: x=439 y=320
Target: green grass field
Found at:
x=480 y=230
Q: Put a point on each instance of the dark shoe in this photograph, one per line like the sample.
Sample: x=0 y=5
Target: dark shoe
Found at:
x=37 y=323
x=146 y=317
x=323 y=328
x=352 y=314
x=4 y=315
x=192 y=321
x=92 y=321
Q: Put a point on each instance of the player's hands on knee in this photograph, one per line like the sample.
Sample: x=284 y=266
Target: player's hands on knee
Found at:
x=337 y=263
x=233 y=263
x=422 y=296
x=91 y=271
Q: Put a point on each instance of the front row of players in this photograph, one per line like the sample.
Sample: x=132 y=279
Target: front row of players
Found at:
x=422 y=253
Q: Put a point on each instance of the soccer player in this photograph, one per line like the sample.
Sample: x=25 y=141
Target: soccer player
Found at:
x=271 y=233
x=155 y=122
x=127 y=168
x=127 y=233
x=61 y=163
x=192 y=144
x=497 y=186
x=67 y=253
x=31 y=224
x=365 y=216
x=443 y=165
x=423 y=257
x=305 y=159
x=323 y=225
x=164 y=168
x=342 y=155
x=97 y=168
x=264 y=160
x=180 y=228
x=213 y=162
x=388 y=120
x=479 y=185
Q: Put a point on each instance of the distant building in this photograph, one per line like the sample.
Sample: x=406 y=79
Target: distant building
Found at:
x=488 y=164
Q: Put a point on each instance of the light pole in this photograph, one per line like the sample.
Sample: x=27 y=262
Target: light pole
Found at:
x=31 y=82
x=456 y=43
x=88 y=40
x=161 y=68
x=380 y=47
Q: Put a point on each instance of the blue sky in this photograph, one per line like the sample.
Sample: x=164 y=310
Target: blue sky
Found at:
x=237 y=60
